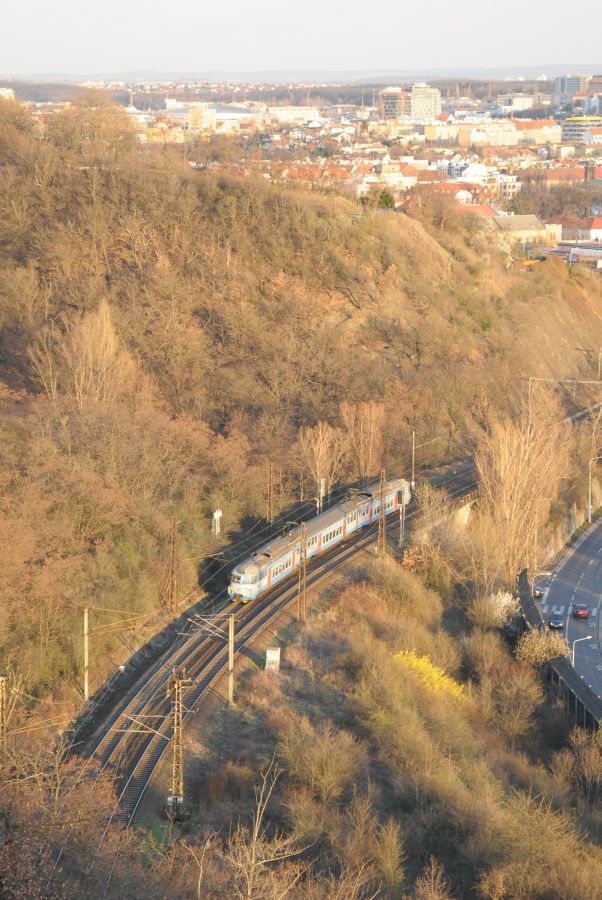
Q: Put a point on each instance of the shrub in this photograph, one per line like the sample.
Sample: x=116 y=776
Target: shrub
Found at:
x=513 y=700
x=539 y=647
x=406 y=591
x=432 y=676
x=493 y=611
x=484 y=651
x=326 y=760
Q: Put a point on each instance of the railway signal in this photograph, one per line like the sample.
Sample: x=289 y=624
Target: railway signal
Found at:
x=174 y=807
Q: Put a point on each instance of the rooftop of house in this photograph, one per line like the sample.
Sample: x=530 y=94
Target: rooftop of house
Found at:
x=518 y=223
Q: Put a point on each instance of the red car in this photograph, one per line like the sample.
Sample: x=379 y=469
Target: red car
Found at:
x=580 y=611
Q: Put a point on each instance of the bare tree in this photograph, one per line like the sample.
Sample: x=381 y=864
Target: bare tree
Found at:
x=251 y=853
x=44 y=358
x=520 y=465
x=95 y=363
x=363 y=424
x=322 y=450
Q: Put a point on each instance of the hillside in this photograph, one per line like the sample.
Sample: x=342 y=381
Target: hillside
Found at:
x=165 y=335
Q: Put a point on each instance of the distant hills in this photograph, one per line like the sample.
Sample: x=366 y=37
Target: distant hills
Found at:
x=317 y=75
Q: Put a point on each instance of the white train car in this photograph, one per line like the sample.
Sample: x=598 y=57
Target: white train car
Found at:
x=279 y=558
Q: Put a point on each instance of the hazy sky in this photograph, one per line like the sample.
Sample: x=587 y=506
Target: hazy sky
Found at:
x=75 y=37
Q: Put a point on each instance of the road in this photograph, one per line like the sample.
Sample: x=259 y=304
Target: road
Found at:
x=578 y=579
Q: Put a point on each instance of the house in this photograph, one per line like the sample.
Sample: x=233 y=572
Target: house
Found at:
x=593 y=136
x=577 y=229
x=513 y=230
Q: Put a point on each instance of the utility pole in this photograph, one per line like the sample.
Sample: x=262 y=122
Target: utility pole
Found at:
x=170 y=594
x=231 y=660
x=402 y=521
x=382 y=518
x=302 y=592
x=86 y=653
x=3 y=712
x=413 y=481
x=270 y=504
x=176 y=787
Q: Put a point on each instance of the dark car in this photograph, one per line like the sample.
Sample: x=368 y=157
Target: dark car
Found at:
x=580 y=611
x=556 y=620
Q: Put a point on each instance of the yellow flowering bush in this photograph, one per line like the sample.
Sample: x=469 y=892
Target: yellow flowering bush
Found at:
x=432 y=676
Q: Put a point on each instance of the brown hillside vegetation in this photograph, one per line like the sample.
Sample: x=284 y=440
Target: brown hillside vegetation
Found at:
x=385 y=759
x=167 y=338
x=165 y=334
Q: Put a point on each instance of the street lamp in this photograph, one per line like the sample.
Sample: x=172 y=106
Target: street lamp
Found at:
x=535 y=577
x=589 y=505
x=588 y=638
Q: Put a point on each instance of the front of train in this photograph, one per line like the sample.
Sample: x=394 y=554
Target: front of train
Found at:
x=244 y=581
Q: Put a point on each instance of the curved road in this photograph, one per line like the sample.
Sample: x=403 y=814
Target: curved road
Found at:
x=578 y=579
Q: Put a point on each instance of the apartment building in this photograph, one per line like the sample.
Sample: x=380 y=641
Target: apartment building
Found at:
x=566 y=86
x=425 y=101
x=574 y=128
x=420 y=102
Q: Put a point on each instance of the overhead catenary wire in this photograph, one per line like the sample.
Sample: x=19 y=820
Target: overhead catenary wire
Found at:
x=156 y=679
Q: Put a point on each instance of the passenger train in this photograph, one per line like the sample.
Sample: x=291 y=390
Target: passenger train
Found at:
x=279 y=558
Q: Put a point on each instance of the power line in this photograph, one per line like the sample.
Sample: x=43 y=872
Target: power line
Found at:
x=382 y=525
x=170 y=592
x=302 y=592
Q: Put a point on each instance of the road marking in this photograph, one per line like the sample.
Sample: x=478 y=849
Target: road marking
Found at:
x=595 y=611
x=546 y=608
x=545 y=595
x=599 y=668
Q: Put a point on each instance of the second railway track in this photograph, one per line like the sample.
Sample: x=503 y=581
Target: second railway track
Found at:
x=134 y=739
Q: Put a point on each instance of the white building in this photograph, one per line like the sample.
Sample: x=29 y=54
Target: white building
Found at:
x=425 y=101
x=295 y=114
x=508 y=186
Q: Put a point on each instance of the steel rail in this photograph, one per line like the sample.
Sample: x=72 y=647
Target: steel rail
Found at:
x=192 y=651
x=264 y=612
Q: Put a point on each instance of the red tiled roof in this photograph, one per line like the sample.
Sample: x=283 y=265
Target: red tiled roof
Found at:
x=478 y=209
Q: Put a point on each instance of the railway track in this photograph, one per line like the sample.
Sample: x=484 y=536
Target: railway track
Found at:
x=133 y=741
